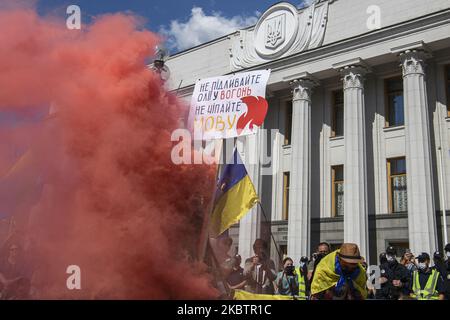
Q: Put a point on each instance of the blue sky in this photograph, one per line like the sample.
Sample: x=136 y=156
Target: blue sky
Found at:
x=183 y=25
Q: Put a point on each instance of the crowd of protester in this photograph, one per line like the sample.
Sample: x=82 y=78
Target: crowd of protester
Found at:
x=326 y=275
x=340 y=274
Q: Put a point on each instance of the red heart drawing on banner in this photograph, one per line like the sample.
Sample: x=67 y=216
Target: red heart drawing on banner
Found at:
x=256 y=113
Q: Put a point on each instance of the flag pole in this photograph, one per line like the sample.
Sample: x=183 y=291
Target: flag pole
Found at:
x=216 y=266
x=270 y=231
x=204 y=243
x=204 y=234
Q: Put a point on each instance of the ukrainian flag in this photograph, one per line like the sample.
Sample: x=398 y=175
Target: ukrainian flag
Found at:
x=235 y=196
x=244 y=295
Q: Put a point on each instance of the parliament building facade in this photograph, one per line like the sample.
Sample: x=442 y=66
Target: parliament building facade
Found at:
x=358 y=123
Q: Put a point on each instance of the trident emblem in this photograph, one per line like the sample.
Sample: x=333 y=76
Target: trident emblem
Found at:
x=275 y=31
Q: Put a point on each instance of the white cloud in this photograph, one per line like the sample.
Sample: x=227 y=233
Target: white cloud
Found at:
x=201 y=28
x=307 y=3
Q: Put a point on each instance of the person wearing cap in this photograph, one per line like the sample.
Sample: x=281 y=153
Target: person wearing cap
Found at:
x=447 y=252
x=302 y=274
x=447 y=267
x=394 y=279
x=427 y=283
x=447 y=257
x=340 y=276
x=441 y=266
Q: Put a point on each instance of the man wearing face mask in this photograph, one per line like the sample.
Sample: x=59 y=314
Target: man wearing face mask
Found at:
x=427 y=283
x=302 y=274
x=395 y=278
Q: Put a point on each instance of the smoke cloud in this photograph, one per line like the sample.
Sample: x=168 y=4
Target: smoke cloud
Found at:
x=92 y=184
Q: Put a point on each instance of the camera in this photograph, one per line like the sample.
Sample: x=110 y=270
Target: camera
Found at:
x=319 y=256
x=289 y=270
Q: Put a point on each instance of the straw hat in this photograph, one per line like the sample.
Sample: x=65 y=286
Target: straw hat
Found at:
x=349 y=252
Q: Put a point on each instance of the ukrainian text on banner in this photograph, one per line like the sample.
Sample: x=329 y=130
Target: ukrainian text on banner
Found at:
x=229 y=106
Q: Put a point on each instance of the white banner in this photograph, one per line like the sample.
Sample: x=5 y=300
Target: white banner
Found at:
x=229 y=106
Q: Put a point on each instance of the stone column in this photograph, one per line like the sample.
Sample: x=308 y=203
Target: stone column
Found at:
x=421 y=206
x=355 y=167
x=300 y=176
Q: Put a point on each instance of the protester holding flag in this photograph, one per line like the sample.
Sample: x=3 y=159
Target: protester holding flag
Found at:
x=260 y=270
x=235 y=195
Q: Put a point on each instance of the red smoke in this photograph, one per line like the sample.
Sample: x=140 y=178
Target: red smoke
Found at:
x=108 y=197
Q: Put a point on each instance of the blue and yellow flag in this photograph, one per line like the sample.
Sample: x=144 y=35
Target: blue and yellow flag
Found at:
x=235 y=196
x=244 y=295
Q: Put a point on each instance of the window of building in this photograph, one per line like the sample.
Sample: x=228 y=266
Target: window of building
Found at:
x=337 y=194
x=285 y=212
x=288 y=123
x=447 y=77
x=398 y=193
x=337 y=121
x=395 y=115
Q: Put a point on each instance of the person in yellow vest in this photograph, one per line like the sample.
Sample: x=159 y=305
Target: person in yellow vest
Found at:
x=302 y=274
x=427 y=283
x=340 y=276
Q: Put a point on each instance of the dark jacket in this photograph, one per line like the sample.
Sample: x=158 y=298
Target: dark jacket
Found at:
x=445 y=273
x=394 y=271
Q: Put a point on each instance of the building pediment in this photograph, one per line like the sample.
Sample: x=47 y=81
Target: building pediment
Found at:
x=281 y=31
